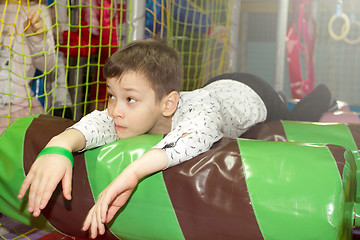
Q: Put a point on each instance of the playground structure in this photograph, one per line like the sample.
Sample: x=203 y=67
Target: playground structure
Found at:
x=213 y=37
x=276 y=182
x=87 y=32
x=204 y=55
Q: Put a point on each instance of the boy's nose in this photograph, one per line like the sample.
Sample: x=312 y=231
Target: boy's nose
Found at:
x=118 y=112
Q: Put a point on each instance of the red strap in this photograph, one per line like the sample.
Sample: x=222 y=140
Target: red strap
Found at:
x=300 y=86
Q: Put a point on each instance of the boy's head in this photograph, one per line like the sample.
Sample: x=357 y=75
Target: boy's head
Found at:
x=152 y=58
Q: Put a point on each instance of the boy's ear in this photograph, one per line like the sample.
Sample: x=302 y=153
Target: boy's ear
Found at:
x=170 y=103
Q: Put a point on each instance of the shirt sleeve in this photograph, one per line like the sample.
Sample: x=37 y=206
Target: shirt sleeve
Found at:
x=98 y=129
x=198 y=129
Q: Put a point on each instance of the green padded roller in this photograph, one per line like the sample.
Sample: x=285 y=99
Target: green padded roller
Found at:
x=239 y=189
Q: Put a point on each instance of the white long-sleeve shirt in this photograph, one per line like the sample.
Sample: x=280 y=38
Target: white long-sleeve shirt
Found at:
x=223 y=108
x=21 y=55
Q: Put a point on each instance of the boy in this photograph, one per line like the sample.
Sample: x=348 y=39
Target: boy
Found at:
x=143 y=83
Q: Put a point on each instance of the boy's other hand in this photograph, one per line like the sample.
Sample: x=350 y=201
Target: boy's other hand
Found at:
x=109 y=202
x=118 y=192
x=42 y=179
x=35 y=22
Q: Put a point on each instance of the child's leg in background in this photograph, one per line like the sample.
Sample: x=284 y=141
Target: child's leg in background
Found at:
x=313 y=105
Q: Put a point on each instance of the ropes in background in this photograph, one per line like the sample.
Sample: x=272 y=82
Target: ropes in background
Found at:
x=87 y=33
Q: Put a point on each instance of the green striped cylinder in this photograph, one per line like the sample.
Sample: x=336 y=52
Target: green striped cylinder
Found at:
x=299 y=191
x=342 y=134
x=239 y=189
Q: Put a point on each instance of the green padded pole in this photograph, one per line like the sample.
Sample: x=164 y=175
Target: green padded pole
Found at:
x=149 y=213
x=12 y=175
x=296 y=190
x=330 y=133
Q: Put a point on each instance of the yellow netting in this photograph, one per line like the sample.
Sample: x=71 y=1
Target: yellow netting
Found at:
x=200 y=30
x=63 y=68
x=66 y=65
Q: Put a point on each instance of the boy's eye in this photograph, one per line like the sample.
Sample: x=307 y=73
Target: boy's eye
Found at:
x=130 y=100
x=110 y=96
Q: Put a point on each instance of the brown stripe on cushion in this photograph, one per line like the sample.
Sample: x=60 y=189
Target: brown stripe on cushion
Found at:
x=65 y=216
x=270 y=131
x=210 y=197
x=338 y=154
x=355 y=131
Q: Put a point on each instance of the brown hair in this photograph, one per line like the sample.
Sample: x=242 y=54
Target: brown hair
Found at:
x=159 y=64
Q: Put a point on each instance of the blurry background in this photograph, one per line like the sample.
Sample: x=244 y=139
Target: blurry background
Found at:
x=213 y=37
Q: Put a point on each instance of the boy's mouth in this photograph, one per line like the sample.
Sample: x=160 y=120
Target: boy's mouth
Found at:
x=118 y=127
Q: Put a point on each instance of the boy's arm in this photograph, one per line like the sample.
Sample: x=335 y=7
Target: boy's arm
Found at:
x=48 y=170
x=98 y=129
x=117 y=193
x=94 y=129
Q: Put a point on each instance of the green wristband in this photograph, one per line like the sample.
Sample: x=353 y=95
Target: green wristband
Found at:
x=58 y=150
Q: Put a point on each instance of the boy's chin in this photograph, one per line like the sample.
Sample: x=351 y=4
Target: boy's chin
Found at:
x=124 y=136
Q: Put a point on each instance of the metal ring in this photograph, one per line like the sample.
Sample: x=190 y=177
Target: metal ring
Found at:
x=352 y=41
x=344 y=29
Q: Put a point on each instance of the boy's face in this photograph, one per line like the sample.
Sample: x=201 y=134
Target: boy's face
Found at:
x=132 y=105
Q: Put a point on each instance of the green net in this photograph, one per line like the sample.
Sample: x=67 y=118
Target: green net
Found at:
x=200 y=31
x=57 y=70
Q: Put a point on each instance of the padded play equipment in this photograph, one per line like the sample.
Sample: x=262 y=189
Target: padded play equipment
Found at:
x=300 y=186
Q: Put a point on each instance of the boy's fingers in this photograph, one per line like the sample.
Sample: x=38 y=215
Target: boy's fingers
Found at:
x=25 y=186
x=66 y=185
x=32 y=194
x=45 y=199
x=101 y=229
x=39 y=196
x=87 y=221
x=111 y=213
x=50 y=185
x=103 y=210
x=99 y=221
x=93 y=227
x=47 y=193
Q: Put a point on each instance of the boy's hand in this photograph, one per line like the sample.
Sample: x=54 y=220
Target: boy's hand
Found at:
x=34 y=23
x=48 y=170
x=118 y=192
x=109 y=202
x=43 y=177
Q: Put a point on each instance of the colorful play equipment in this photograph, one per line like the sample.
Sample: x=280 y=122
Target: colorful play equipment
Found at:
x=300 y=43
x=282 y=180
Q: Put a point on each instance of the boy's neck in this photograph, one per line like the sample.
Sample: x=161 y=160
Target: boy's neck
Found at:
x=163 y=126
